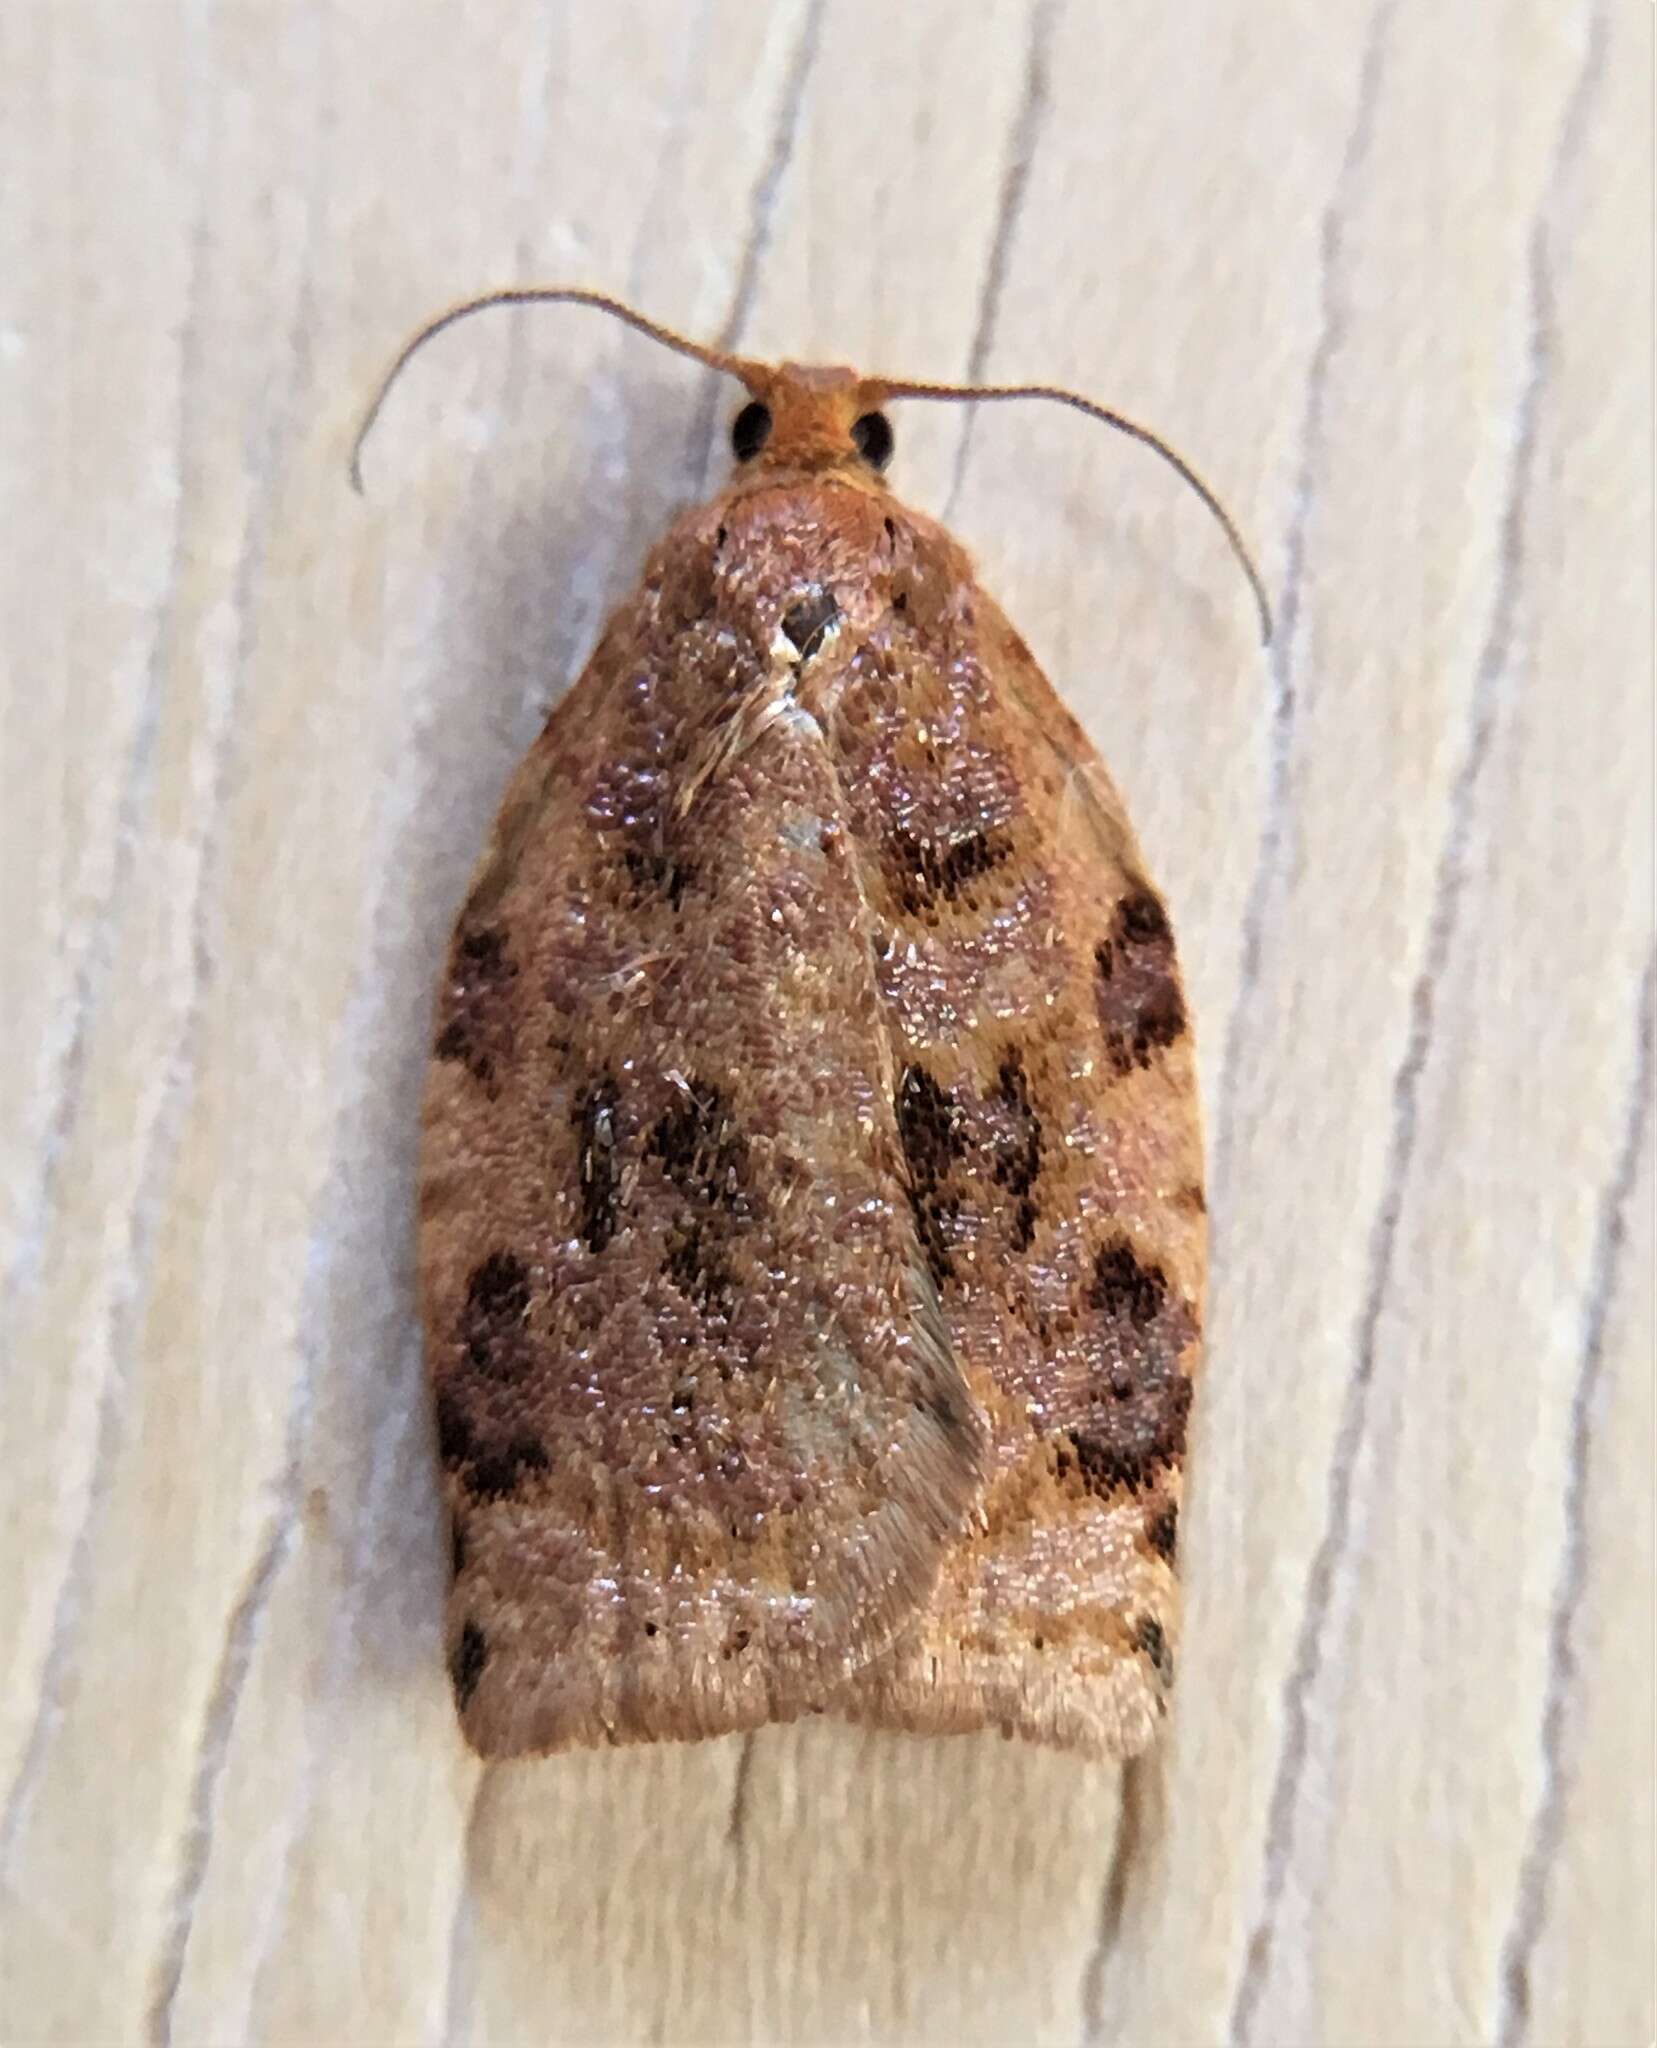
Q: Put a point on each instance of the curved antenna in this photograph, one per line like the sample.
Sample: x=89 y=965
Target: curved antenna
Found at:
x=531 y=295
x=1125 y=426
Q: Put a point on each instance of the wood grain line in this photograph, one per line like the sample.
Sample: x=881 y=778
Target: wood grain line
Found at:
x=761 y=214
x=1133 y=1836
x=1547 y=1828
x=767 y=191
x=213 y=1747
x=740 y=1786
x=1486 y=704
x=1334 y=325
x=385 y=1469
x=1024 y=140
x=456 y=1985
x=98 y=961
x=529 y=174
x=98 y=952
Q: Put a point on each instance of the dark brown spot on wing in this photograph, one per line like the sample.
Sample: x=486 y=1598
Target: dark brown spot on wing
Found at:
x=1141 y=919
x=655 y=873
x=466 y=1664
x=1135 y=1334
x=704 y=1157
x=929 y=1123
x=1122 y=1287
x=701 y=1151
x=492 y=1322
x=476 y=1027
x=929 y=1127
x=497 y=1473
x=1150 y=1639
x=594 y=1117
x=1131 y=1449
x=1162 y=1532
x=454 y=1432
x=491 y=1464
x=1136 y=987
x=925 y=873
x=694 y=1265
x=1017 y=1145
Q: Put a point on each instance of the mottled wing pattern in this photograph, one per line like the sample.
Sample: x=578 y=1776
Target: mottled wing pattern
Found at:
x=704 y=1442
x=1047 y=1108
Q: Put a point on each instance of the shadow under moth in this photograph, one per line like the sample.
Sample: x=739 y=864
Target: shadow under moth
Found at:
x=811 y=1220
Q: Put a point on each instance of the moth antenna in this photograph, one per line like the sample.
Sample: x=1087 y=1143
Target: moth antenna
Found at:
x=1122 y=425
x=531 y=295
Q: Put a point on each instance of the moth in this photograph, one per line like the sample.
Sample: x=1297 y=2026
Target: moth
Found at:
x=811 y=1218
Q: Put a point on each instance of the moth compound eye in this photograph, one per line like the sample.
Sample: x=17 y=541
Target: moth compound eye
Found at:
x=873 y=436
x=750 y=430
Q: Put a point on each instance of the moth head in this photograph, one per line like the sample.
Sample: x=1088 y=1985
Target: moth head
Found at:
x=803 y=420
x=802 y=417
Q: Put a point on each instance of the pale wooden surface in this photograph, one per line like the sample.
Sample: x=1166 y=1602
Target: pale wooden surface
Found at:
x=1387 y=275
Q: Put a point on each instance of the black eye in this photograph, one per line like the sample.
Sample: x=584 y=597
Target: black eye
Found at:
x=873 y=435
x=750 y=430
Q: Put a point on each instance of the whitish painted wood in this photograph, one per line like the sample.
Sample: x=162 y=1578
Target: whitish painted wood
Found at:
x=1385 y=272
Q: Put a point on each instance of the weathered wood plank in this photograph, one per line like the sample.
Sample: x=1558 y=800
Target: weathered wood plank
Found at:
x=1378 y=269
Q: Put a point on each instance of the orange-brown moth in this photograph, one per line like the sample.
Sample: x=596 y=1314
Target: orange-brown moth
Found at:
x=811 y=1211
